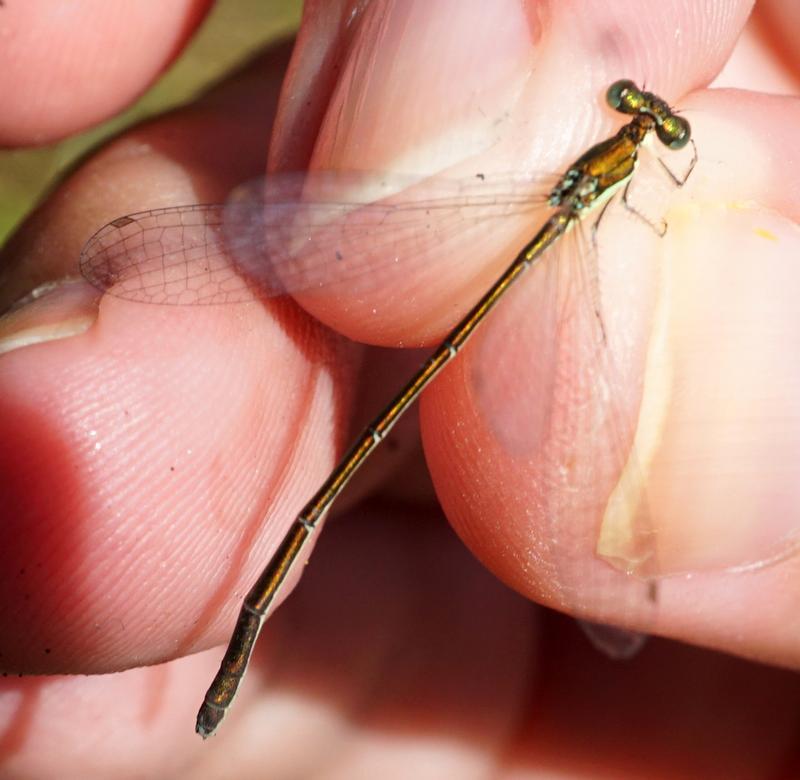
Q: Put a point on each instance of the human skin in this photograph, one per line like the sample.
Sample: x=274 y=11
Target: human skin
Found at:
x=400 y=653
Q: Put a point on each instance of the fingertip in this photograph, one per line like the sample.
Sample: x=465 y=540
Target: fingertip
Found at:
x=66 y=71
x=132 y=722
x=156 y=456
x=462 y=99
x=709 y=398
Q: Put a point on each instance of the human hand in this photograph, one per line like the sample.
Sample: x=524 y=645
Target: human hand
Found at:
x=398 y=647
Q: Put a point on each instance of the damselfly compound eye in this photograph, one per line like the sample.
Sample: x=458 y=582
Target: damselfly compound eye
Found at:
x=625 y=96
x=674 y=132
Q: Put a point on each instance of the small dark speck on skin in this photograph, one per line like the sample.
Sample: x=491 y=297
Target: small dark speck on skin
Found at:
x=339 y=255
x=47 y=651
x=392 y=445
x=5 y=674
x=172 y=468
x=21 y=572
x=480 y=176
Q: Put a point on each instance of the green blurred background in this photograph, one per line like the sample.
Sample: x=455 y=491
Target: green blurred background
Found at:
x=233 y=31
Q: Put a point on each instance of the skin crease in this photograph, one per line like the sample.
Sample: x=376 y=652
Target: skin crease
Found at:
x=399 y=655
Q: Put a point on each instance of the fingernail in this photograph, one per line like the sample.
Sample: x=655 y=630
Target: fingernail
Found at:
x=711 y=483
x=52 y=311
x=628 y=533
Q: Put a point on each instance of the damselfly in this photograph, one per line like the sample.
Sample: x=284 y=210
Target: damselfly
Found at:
x=273 y=241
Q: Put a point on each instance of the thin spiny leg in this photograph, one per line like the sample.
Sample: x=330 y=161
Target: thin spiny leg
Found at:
x=679 y=182
x=596 y=224
x=597 y=303
x=660 y=229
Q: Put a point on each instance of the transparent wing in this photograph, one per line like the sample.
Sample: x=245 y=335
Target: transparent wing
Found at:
x=630 y=590
x=295 y=232
x=617 y=643
x=570 y=424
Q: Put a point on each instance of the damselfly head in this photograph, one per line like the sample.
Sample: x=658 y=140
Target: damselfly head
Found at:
x=624 y=96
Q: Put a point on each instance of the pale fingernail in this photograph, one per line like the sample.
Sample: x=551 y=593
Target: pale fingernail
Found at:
x=54 y=310
x=712 y=484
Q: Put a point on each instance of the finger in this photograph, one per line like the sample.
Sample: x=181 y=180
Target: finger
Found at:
x=115 y=725
x=759 y=62
x=779 y=24
x=67 y=70
x=397 y=631
x=713 y=429
x=481 y=90
x=144 y=454
x=433 y=666
x=675 y=711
